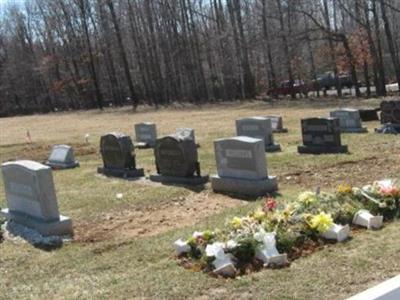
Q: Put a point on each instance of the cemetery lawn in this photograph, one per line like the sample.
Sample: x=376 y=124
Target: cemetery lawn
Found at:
x=123 y=247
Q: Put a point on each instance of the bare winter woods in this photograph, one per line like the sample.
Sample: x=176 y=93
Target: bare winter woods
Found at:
x=81 y=54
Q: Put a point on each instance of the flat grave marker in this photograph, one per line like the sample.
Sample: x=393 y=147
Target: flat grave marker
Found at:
x=62 y=157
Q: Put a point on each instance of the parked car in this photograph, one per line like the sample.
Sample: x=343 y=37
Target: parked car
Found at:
x=285 y=88
x=327 y=81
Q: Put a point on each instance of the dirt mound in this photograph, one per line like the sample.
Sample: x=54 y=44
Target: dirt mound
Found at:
x=154 y=219
x=355 y=173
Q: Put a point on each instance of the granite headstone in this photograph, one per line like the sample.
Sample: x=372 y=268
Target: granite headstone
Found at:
x=118 y=156
x=146 y=135
x=277 y=124
x=177 y=161
x=349 y=120
x=242 y=167
x=321 y=135
x=260 y=128
x=31 y=198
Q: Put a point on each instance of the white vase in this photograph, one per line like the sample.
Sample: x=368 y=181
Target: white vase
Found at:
x=337 y=232
x=181 y=247
x=223 y=262
x=366 y=219
x=267 y=252
x=224 y=266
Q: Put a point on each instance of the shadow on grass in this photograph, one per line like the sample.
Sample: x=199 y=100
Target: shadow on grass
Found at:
x=33 y=237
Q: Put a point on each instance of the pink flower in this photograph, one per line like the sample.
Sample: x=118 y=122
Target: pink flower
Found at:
x=389 y=191
x=270 y=204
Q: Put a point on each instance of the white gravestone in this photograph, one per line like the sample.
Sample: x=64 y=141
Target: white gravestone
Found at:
x=31 y=198
x=242 y=167
x=277 y=124
x=260 y=128
x=349 y=120
x=146 y=135
x=62 y=157
x=186 y=132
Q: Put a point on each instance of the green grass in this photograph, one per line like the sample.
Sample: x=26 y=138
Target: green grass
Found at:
x=144 y=267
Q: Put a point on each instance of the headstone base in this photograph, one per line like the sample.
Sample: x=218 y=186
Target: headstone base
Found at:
x=354 y=130
x=194 y=180
x=121 y=173
x=61 y=166
x=322 y=149
x=389 y=129
x=245 y=187
x=282 y=130
x=142 y=145
x=272 y=148
x=57 y=228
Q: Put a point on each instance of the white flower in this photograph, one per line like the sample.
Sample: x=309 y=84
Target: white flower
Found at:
x=119 y=195
x=197 y=234
x=231 y=244
x=181 y=247
x=216 y=249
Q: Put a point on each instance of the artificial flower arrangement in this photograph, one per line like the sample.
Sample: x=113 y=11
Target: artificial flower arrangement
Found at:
x=273 y=234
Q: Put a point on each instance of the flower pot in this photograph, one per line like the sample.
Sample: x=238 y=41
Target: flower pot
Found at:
x=366 y=219
x=337 y=232
x=267 y=252
x=181 y=247
x=222 y=263
x=224 y=266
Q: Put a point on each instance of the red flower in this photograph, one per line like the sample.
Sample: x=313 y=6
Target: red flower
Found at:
x=270 y=204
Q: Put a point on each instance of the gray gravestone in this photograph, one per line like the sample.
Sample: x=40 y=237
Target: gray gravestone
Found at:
x=277 y=124
x=177 y=161
x=62 y=157
x=349 y=120
x=31 y=198
x=146 y=135
x=242 y=167
x=260 y=128
x=321 y=135
x=118 y=156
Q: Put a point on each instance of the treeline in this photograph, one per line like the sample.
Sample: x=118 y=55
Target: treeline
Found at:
x=81 y=54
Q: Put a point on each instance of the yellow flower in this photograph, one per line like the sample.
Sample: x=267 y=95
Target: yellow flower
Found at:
x=307 y=198
x=259 y=215
x=236 y=222
x=344 y=189
x=321 y=222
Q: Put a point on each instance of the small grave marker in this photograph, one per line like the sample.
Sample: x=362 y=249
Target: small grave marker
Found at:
x=62 y=157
